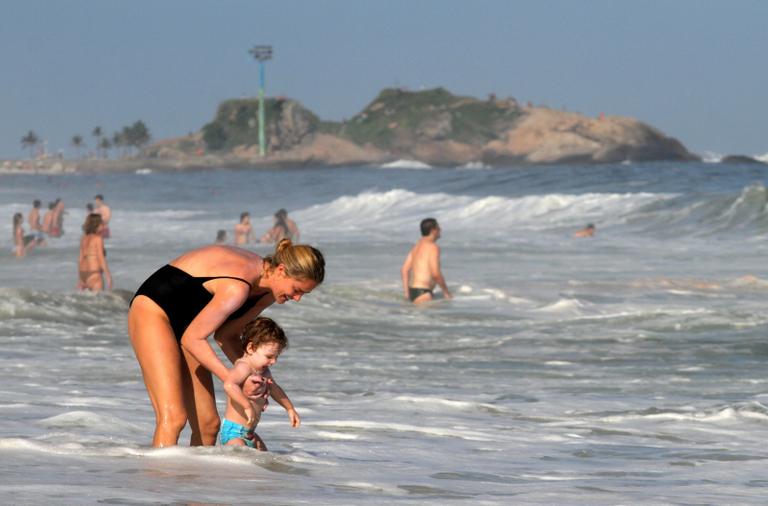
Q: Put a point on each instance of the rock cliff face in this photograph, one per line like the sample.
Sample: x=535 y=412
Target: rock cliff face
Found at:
x=432 y=126
x=548 y=136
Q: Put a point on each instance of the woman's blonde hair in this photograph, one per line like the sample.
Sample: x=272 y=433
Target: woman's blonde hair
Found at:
x=301 y=261
x=92 y=222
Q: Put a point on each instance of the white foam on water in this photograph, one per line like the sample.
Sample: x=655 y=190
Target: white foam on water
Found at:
x=405 y=164
x=460 y=405
x=563 y=306
x=400 y=427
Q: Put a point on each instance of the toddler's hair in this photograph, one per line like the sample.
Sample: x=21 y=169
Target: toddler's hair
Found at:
x=263 y=330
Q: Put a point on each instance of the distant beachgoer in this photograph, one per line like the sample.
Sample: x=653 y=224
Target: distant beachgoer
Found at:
x=221 y=236
x=100 y=207
x=421 y=268
x=587 y=231
x=211 y=290
x=263 y=341
x=282 y=228
x=92 y=262
x=244 y=230
x=35 y=226
x=294 y=234
x=48 y=218
x=21 y=243
x=57 y=221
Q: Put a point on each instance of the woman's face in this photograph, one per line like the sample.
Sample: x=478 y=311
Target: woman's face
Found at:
x=286 y=288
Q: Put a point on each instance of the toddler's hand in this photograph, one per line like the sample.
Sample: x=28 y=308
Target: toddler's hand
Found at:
x=250 y=418
x=293 y=416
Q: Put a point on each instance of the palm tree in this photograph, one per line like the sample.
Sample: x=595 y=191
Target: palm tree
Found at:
x=77 y=142
x=97 y=132
x=30 y=141
x=105 y=145
x=118 y=141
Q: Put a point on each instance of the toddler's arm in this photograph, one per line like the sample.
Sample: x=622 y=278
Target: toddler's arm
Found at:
x=279 y=395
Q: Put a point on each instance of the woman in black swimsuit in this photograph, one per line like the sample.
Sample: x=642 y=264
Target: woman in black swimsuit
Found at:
x=212 y=290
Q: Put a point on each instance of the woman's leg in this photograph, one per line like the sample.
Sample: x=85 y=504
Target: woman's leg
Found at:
x=160 y=358
x=200 y=401
x=94 y=281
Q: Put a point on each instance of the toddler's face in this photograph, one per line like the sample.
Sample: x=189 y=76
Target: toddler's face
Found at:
x=265 y=355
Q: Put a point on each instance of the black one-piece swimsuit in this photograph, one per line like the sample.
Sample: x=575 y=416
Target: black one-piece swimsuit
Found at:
x=182 y=296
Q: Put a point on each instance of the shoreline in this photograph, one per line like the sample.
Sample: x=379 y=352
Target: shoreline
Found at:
x=211 y=162
x=96 y=166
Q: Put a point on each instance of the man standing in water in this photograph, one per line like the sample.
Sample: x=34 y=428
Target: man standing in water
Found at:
x=421 y=268
x=35 y=226
x=104 y=210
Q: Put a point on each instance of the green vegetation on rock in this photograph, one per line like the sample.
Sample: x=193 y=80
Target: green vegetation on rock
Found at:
x=237 y=124
x=398 y=118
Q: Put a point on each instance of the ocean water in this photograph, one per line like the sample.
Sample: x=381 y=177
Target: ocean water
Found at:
x=627 y=368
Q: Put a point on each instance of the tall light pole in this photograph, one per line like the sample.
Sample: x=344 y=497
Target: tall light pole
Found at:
x=262 y=54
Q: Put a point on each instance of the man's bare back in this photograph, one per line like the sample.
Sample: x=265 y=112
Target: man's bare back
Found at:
x=421 y=269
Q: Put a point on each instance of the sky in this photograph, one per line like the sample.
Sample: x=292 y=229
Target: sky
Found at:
x=695 y=69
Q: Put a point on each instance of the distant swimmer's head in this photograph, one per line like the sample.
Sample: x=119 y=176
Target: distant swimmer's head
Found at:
x=591 y=226
x=428 y=225
x=294 y=270
x=17 y=219
x=99 y=198
x=244 y=215
x=281 y=214
x=221 y=236
x=92 y=224
x=36 y=204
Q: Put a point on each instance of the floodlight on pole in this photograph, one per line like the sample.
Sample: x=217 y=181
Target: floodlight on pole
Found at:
x=262 y=54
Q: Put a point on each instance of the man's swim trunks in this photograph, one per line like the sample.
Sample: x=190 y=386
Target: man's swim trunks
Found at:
x=413 y=293
x=231 y=430
x=182 y=296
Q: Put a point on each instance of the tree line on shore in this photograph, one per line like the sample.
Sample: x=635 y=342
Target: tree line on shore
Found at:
x=131 y=137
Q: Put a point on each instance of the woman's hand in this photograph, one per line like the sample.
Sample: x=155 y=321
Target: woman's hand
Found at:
x=256 y=387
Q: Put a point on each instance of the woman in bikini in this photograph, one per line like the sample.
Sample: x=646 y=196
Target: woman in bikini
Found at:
x=21 y=243
x=211 y=290
x=280 y=230
x=92 y=264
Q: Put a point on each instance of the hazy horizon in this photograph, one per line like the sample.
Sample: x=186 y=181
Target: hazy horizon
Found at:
x=690 y=68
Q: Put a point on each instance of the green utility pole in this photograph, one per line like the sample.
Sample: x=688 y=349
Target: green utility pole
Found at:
x=262 y=54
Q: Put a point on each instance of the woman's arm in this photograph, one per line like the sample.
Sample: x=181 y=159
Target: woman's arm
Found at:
x=228 y=296
x=228 y=335
x=103 y=260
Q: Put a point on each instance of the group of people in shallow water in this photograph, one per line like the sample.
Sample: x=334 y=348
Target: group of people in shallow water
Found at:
x=93 y=270
x=283 y=227
x=41 y=226
x=221 y=290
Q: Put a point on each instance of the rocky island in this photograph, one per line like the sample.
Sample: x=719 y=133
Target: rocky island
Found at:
x=432 y=126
